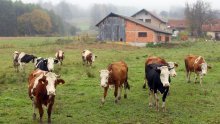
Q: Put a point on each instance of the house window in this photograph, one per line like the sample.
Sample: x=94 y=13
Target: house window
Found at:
x=141 y=20
x=142 y=34
x=159 y=38
x=148 y=20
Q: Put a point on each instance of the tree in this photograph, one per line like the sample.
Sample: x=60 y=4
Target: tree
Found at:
x=197 y=14
x=36 y=22
x=7 y=18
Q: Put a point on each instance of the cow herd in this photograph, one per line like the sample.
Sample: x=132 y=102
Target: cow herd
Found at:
x=42 y=81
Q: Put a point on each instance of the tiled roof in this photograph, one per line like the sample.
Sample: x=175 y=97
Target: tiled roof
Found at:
x=177 y=23
x=152 y=27
x=161 y=19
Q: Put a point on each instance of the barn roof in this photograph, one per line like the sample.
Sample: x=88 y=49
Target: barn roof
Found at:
x=152 y=27
x=152 y=14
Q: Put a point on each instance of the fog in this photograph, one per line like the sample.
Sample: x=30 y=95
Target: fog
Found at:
x=153 y=5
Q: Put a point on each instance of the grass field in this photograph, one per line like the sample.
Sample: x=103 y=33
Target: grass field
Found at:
x=78 y=100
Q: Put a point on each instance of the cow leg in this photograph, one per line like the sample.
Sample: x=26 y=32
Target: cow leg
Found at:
x=156 y=100
x=200 y=81
x=188 y=76
x=49 y=112
x=125 y=92
x=34 y=108
x=20 y=67
x=105 y=94
x=41 y=112
x=164 y=99
x=150 y=98
x=119 y=93
x=116 y=93
x=195 y=78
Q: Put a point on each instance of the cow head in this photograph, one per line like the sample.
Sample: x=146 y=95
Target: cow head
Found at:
x=50 y=63
x=164 y=75
x=204 y=67
x=104 y=75
x=172 y=66
x=50 y=80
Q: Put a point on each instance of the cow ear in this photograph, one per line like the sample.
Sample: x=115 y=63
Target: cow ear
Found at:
x=175 y=64
x=60 y=81
x=43 y=80
x=55 y=61
x=209 y=67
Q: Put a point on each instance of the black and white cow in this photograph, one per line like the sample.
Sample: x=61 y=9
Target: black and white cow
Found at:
x=158 y=77
x=20 y=59
x=46 y=64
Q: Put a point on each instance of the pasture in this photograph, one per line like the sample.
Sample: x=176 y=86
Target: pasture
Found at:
x=78 y=100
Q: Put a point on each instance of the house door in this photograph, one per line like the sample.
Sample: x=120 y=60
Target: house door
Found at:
x=167 y=39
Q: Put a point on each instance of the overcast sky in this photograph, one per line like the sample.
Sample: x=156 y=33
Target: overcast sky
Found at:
x=147 y=4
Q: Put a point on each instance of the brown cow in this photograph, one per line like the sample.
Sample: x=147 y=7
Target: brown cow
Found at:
x=41 y=90
x=88 y=57
x=196 y=64
x=60 y=56
x=116 y=75
x=159 y=60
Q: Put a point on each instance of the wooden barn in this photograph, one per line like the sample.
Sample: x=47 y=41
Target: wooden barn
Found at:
x=116 y=27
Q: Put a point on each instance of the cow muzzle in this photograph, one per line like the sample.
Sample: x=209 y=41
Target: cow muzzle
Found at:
x=51 y=93
x=103 y=86
x=166 y=84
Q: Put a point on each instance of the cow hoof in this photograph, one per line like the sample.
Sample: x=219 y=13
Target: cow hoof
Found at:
x=116 y=101
x=49 y=121
x=125 y=96
x=102 y=102
x=40 y=122
x=34 y=116
x=163 y=109
x=119 y=98
x=150 y=105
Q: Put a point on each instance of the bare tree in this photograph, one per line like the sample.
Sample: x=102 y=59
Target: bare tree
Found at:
x=197 y=14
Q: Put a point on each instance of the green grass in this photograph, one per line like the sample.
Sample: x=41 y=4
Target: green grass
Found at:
x=78 y=100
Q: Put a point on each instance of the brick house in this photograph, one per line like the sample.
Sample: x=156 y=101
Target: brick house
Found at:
x=116 y=27
x=212 y=29
x=151 y=18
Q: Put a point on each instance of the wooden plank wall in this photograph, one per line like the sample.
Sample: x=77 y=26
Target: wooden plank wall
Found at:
x=112 y=29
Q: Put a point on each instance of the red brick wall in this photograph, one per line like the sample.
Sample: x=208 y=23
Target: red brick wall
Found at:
x=132 y=30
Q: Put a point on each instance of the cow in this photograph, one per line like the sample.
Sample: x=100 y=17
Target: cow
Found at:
x=157 y=76
x=88 y=57
x=46 y=64
x=20 y=59
x=60 y=56
x=196 y=64
x=41 y=90
x=115 y=75
x=159 y=60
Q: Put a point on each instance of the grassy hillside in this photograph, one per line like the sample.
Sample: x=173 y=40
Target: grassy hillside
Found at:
x=78 y=100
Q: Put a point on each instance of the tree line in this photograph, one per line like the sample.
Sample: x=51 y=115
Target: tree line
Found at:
x=19 y=19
